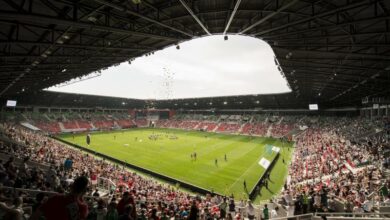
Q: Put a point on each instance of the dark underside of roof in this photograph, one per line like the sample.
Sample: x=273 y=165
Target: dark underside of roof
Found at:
x=332 y=52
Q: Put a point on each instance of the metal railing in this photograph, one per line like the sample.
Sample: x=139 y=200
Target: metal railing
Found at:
x=344 y=215
x=296 y=217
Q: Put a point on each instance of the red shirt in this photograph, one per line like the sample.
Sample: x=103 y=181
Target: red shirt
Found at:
x=93 y=177
x=122 y=204
x=64 y=207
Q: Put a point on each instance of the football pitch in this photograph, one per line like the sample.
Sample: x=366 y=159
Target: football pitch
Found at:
x=170 y=155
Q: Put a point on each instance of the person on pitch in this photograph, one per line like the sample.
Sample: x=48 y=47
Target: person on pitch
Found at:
x=88 y=139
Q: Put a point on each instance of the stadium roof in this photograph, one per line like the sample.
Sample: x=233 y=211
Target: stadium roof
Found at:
x=58 y=99
x=332 y=52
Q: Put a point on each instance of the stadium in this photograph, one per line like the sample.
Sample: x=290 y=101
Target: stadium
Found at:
x=147 y=149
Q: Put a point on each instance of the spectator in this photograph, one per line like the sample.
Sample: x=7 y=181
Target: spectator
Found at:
x=232 y=207
x=66 y=207
x=16 y=212
x=126 y=200
x=193 y=211
x=274 y=212
x=223 y=208
x=112 y=213
x=127 y=213
x=265 y=212
x=96 y=193
x=101 y=210
x=250 y=210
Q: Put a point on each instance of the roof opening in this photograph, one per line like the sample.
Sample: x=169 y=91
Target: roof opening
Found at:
x=203 y=67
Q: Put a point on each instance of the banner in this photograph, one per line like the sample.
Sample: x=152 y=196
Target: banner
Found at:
x=276 y=149
x=264 y=163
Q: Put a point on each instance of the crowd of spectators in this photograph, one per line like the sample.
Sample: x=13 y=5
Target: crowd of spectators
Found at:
x=139 y=198
x=327 y=166
x=258 y=125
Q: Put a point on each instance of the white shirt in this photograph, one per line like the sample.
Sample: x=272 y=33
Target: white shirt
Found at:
x=274 y=214
x=250 y=210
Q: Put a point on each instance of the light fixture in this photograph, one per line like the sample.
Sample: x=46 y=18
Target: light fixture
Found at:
x=289 y=55
x=225 y=102
x=92 y=19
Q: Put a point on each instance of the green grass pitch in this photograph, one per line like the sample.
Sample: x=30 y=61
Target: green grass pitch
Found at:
x=172 y=157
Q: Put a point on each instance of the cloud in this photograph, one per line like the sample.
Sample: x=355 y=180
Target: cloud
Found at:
x=203 y=67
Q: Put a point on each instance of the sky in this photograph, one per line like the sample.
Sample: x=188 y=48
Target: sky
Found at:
x=202 y=67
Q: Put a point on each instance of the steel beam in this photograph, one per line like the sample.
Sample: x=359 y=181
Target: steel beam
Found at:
x=334 y=53
x=30 y=18
x=125 y=10
x=80 y=46
x=329 y=12
x=194 y=16
x=232 y=16
x=323 y=27
x=284 y=7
